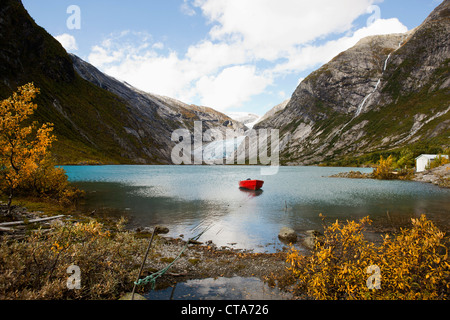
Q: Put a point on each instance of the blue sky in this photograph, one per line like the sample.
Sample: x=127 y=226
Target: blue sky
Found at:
x=231 y=55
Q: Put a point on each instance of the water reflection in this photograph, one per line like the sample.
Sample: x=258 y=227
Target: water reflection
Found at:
x=251 y=193
x=236 y=288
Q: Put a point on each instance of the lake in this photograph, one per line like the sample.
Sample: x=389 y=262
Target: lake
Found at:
x=193 y=199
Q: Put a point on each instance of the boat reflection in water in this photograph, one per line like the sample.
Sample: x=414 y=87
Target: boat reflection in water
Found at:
x=252 y=193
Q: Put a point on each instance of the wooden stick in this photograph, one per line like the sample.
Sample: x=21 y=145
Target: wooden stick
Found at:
x=143 y=262
x=13 y=223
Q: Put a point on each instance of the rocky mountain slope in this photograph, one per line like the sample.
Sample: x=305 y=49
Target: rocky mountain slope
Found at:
x=271 y=113
x=386 y=92
x=156 y=116
x=96 y=118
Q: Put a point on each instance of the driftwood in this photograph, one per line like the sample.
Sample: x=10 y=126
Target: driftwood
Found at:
x=14 y=223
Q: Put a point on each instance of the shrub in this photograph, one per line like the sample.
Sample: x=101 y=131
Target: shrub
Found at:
x=440 y=160
x=50 y=182
x=36 y=268
x=413 y=264
x=384 y=169
x=406 y=159
x=25 y=160
x=22 y=146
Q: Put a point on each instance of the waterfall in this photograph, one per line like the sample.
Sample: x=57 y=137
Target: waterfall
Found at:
x=386 y=62
x=363 y=102
x=361 y=105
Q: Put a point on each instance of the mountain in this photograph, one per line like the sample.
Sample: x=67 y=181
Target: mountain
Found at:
x=156 y=116
x=274 y=110
x=385 y=93
x=96 y=118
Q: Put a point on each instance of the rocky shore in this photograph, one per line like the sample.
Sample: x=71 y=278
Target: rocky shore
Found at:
x=199 y=260
x=439 y=176
x=352 y=175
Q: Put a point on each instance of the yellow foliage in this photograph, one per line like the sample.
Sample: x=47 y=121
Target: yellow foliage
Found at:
x=439 y=161
x=384 y=168
x=25 y=163
x=20 y=153
x=413 y=264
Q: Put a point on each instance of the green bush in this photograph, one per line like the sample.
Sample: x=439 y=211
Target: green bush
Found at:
x=439 y=161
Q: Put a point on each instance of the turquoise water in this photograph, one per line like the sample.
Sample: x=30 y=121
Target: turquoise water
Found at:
x=190 y=199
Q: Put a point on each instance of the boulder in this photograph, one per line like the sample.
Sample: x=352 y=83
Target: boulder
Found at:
x=287 y=235
x=310 y=238
x=161 y=230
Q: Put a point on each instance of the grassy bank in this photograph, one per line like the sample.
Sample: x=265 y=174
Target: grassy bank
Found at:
x=34 y=259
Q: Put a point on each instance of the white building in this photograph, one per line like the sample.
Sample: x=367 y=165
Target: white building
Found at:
x=424 y=160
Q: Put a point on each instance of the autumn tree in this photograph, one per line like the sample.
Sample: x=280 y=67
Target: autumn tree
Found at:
x=384 y=169
x=23 y=145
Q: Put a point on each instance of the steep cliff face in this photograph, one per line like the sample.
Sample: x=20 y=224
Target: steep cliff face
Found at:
x=385 y=92
x=96 y=118
x=27 y=48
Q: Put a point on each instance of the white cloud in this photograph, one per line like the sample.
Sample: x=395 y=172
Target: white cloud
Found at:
x=158 y=45
x=209 y=57
x=67 y=41
x=250 y=43
x=182 y=78
x=270 y=28
x=187 y=9
x=232 y=87
x=305 y=57
x=101 y=56
x=153 y=73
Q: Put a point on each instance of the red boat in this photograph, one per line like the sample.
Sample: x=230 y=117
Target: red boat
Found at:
x=251 y=184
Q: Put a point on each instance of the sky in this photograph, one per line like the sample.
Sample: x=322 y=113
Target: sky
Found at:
x=230 y=55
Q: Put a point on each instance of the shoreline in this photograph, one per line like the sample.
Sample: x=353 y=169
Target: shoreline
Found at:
x=199 y=260
x=439 y=176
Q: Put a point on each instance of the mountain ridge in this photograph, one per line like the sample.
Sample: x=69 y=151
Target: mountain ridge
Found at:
x=93 y=123
x=386 y=92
